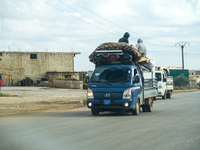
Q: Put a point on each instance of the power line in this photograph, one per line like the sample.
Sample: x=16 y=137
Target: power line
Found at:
x=110 y=30
x=191 y=52
x=77 y=17
x=106 y=19
x=119 y=25
x=89 y=17
x=194 y=49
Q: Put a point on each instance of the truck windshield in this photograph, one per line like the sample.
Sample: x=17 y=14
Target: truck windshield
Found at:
x=111 y=75
x=158 y=76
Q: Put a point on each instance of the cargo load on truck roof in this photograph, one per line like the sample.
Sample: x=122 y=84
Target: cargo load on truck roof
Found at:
x=119 y=53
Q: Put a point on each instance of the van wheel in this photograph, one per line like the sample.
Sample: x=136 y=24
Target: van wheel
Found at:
x=136 y=111
x=164 y=96
x=95 y=112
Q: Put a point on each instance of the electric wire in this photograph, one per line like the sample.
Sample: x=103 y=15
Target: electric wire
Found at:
x=89 y=17
x=78 y=18
x=194 y=49
x=167 y=45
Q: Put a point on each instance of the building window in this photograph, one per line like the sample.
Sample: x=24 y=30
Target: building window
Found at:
x=0 y=53
x=192 y=73
x=33 y=56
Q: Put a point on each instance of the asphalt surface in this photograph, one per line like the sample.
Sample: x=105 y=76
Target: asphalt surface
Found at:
x=174 y=124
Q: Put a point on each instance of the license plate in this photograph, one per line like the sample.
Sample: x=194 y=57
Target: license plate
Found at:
x=107 y=102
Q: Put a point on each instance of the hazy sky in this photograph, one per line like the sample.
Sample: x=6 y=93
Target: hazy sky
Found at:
x=82 y=25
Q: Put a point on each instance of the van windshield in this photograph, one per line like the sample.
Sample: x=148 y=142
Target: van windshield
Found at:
x=158 y=76
x=111 y=75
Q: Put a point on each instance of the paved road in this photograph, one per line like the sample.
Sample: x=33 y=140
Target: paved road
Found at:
x=173 y=125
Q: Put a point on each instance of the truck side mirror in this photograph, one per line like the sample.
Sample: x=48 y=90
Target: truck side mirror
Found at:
x=136 y=79
x=164 y=79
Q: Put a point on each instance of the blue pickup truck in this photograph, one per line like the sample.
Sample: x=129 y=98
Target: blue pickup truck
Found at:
x=121 y=88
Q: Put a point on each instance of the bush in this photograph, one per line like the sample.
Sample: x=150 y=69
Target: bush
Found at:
x=181 y=80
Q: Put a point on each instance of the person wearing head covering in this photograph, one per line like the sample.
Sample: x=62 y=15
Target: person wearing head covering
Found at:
x=141 y=47
x=124 y=38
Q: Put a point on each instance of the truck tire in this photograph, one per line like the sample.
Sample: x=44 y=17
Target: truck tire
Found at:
x=144 y=108
x=150 y=107
x=136 y=111
x=169 y=94
x=164 y=96
x=95 y=112
x=155 y=98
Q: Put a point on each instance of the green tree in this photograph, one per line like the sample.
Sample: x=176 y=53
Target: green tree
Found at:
x=181 y=80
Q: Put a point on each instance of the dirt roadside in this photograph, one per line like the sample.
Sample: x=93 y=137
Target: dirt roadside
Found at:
x=26 y=100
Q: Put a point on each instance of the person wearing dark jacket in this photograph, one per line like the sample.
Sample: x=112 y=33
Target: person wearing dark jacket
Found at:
x=125 y=38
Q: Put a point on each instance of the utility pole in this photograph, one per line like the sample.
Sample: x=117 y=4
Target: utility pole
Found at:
x=182 y=45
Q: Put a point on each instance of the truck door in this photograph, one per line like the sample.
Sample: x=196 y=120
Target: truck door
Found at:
x=164 y=82
x=139 y=86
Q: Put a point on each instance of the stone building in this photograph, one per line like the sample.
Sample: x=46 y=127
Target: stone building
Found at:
x=195 y=75
x=15 y=66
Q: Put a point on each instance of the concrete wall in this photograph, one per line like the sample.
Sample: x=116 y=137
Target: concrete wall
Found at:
x=19 y=65
x=68 y=84
x=64 y=75
x=63 y=84
x=12 y=76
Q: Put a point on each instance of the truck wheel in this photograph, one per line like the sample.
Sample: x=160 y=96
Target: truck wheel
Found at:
x=95 y=112
x=144 y=108
x=136 y=111
x=155 y=98
x=164 y=96
x=150 y=107
x=169 y=94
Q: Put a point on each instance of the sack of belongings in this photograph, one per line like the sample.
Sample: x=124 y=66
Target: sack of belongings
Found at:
x=118 y=53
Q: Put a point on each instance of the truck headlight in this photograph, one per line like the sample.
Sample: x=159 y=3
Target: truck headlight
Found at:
x=90 y=104
x=126 y=104
x=90 y=94
x=127 y=94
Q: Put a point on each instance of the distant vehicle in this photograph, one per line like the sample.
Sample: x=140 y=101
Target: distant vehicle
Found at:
x=165 y=84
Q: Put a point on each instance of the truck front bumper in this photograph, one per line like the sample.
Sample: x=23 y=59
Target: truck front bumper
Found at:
x=110 y=104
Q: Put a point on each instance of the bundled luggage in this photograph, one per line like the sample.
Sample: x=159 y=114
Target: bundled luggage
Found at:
x=118 y=53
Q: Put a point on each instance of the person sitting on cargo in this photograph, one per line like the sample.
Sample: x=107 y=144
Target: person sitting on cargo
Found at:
x=141 y=47
x=125 y=38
